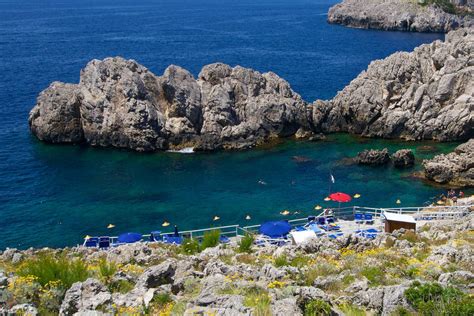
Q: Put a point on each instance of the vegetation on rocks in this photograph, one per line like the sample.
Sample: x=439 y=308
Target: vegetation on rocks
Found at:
x=429 y=272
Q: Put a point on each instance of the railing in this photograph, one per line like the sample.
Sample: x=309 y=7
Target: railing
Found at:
x=419 y=213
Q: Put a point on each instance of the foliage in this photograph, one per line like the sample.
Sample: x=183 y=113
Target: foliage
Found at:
x=107 y=269
x=433 y=299
x=46 y=268
x=409 y=235
x=375 y=275
x=276 y=285
x=259 y=300
x=24 y=289
x=246 y=258
x=190 y=246
x=351 y=310
x=210 y=239
x=50 y=298
x=317 y=307
x=281 y=261
x=246 y=242
x=445 y=5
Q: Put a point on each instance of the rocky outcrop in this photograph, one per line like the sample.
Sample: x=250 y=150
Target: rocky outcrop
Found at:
x=403 y=158
x=373 y=157
x=455 y=169
x=120 y=103
x=397 y=15
x=425 y=94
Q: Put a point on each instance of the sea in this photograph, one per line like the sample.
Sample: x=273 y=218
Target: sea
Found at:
x=54 y=195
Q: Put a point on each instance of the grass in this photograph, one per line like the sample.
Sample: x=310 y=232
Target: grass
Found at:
x=121 y=286
x=210 y=239
x=317 y=307
x=190 y=246
x=107 y=269
x=375 y=275
x=259 y=300
x=351 y=310
x=245 y=243
x=433 y=299
x=46 y=268
x=281 y=261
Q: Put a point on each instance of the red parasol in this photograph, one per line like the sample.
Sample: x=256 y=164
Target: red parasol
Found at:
x=340 y=197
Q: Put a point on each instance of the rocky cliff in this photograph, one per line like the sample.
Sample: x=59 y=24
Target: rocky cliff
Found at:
x=122 y=104
x=454 y=169
x=424 y=94
x=399 y=15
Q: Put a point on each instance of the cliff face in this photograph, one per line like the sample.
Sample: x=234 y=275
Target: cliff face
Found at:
x=425 y=94
x=398 y=15
x=122 y=104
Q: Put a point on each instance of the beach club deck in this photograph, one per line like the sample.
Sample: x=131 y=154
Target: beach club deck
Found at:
x=364 y=222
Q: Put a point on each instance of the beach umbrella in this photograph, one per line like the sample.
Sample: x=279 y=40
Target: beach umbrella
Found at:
x=129 y=238
x=275 y=229
x=340 y=197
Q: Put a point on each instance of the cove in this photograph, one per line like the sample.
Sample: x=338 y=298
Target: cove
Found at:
x=80 y=190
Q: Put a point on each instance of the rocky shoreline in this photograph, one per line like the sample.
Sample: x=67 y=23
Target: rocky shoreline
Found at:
x=401 y=15
x=322 y=277
x=424 y=94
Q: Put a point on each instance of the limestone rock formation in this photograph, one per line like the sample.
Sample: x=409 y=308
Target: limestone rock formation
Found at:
x=403 y=158
x=397 y=15
x=120 y=103
x=425 y=94
x=456 y=168
x=373 y=157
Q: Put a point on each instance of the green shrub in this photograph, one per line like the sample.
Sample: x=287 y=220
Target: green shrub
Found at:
x=317 y=307
x=190 y=246
x=259 y=300
x=351 y=310
x=410 y=235
x=375 y=275
x=246 y=242
x=210 y=239
x=47 y=268
x=433 y=299
x=281 y=261
x=161 y=299
x=107 y=269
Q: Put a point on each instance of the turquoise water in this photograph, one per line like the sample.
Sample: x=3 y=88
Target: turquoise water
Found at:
x=81 y=190
x=54 y=195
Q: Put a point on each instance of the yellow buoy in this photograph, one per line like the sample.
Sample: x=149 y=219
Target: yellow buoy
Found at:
x=165 y=223
x=247 y=217
x=318 y=207
x=440 y=202
x=398 y=201
x=216 y=218
x=327 y=198
x=285 y=212
x=87 y=237
x=356 y=196
x=110 y=226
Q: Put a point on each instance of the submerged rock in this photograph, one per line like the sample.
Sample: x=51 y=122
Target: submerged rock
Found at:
x=455 y=169
x=373 y=157
x=396 y=15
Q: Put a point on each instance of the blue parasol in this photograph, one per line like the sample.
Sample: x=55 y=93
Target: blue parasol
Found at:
x=275 y=229
x=129 y=238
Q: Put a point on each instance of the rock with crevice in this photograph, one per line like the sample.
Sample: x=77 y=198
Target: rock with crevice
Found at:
x=403 y=158
x=88 y=295
x=373 y=157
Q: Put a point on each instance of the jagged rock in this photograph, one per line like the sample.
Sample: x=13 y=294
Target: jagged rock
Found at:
x=272 y=273
x=87 y=295
x=24 y=309
x=456 y=168
x=456 y=277
x=158 y=275
x=424 y=94
x=395 y=15
x=403 y=158
x=120 y=103
x=285 y=307
x=17 y=257
x=373 y=157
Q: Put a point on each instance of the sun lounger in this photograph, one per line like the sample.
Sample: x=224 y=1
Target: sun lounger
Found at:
x=358 y=218
x=300 y=228
x=91 y=242
x=368 y=219
x=224 y=239
x=334 y=236
x=156 y=236
x=104 y=242
x=321 y=220
x=315 y=229
x=170 y=239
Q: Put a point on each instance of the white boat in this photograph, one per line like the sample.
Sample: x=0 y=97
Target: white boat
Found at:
x=185 y=150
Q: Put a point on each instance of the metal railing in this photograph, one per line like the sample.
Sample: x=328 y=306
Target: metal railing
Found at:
x=419 y=213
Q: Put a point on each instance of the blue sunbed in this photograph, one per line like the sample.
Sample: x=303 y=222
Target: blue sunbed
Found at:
x=368 y=219
x=224 y=239
x=168 y=239
x=92 y=242
x=104 y=242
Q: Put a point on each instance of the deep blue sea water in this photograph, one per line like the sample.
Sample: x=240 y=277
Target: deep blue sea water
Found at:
x=54 y=195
